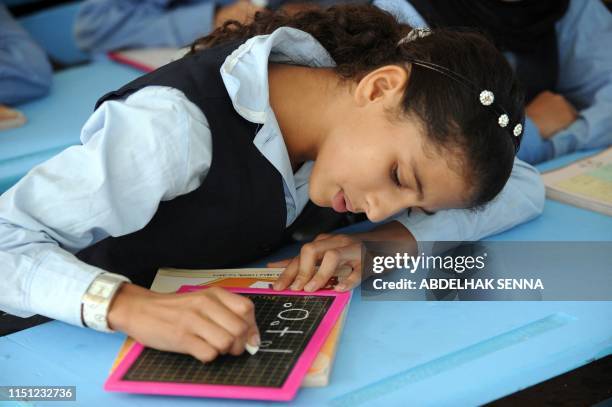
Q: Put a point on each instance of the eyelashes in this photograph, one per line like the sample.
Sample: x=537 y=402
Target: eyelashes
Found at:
x=395 y=176
x=428 y=213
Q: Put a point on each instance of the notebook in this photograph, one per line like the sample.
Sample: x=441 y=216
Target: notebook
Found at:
x=586 y=183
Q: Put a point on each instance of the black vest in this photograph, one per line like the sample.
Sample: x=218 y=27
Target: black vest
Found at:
x=238 y=213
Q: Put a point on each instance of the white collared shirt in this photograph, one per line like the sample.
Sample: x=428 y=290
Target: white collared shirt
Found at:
x=154 y=146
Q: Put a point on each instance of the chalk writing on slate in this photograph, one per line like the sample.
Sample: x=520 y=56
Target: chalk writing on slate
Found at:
x=286 y=324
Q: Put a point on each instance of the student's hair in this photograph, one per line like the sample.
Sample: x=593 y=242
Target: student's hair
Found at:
x=361 y=38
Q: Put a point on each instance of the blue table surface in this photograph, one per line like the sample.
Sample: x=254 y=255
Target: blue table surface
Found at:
x=55 y=122
x=424 y=353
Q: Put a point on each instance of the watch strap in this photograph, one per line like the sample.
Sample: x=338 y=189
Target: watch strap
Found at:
x=97 y=299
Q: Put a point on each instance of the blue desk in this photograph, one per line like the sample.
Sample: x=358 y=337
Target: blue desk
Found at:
x=444 y=352
x=424 y=353
x=55 y=122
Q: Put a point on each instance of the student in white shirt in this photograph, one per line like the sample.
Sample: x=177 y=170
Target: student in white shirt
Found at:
x=344 y=107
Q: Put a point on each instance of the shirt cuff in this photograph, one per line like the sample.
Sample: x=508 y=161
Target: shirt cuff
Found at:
x=57 y=290
x=565 y=141
x=534 y=149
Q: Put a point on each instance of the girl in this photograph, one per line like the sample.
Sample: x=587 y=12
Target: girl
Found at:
x=207 y=161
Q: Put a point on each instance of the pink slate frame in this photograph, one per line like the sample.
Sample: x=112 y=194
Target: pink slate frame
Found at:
x=284 y=393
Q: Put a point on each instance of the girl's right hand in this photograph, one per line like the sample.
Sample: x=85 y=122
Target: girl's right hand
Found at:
x=203 y=324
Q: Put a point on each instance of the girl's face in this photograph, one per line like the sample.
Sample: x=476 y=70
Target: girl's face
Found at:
x=372 y=164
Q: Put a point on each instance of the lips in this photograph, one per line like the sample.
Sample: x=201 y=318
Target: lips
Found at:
x=339 y=202
x=349 y=206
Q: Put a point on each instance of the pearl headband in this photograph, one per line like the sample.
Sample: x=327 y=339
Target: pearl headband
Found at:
x=486 y=97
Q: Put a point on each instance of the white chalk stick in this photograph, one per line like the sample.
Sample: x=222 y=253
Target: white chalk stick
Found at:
x=251 y=349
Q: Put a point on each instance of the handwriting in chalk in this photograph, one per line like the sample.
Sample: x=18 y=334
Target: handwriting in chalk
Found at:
x=288 y=314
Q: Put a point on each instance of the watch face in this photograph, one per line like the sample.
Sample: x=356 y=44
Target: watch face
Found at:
x=101 y=288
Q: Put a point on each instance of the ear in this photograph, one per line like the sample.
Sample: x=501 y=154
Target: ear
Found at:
x=385 y=84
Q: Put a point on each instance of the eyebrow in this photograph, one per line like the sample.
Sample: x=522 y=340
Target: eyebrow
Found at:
x=417 y=178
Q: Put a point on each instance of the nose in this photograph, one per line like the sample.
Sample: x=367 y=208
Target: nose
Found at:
x=381 y=206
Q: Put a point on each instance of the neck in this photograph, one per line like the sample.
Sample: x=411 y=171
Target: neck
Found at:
x=302 y=101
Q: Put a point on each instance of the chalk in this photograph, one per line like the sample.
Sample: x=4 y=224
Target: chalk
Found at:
x=251 y=349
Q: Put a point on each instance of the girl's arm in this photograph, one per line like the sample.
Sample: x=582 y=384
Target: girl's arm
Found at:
x=521 y=199
x=153 y=147
x=109 y=186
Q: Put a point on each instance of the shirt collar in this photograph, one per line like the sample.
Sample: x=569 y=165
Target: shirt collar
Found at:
x=245 y=75
x=245 y=70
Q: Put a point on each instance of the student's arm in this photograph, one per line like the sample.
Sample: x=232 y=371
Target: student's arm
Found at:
x=585 y=75
x=151 y=148
x=106 y=25
x=109 y=186
x=25 y=72
x=520 y=200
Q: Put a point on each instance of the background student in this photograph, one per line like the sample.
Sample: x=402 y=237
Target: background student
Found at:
x=108 y=25
x=560 y=51
x=25 y=71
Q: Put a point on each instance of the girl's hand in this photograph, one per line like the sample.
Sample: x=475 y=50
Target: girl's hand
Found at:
x=203 y=324
x=329 y=252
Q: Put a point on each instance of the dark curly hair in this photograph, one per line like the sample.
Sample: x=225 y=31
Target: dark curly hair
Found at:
x=361 y=38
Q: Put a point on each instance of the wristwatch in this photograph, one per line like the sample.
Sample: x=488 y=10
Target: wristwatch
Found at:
x=97 y=299
x=259 y=3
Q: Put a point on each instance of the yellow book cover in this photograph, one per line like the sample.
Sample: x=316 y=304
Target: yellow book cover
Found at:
x=170 y=280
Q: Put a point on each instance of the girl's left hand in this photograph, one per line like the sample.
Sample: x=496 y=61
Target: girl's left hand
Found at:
x=328 y=252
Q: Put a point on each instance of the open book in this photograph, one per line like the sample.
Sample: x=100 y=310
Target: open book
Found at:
x=586 y=183
x=170 y=280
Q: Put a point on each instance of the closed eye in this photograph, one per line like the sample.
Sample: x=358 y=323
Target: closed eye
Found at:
x=395 y=176
x=427 y=212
